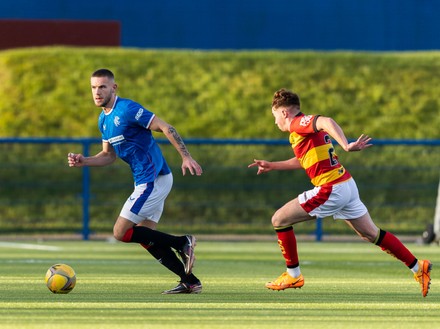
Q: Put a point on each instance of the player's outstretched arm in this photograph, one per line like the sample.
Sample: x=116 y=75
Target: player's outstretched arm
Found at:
x=188 y=163
x=266 y=166
x=335 y=131
x=105 y=157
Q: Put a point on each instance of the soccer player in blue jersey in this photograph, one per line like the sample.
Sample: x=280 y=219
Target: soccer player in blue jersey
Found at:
x=126 y=128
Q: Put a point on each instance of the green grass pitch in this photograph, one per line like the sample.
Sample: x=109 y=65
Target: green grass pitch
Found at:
x=347 y=285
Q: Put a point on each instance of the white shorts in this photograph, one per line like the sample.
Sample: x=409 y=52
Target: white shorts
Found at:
x=340 y=201
x=147 y=200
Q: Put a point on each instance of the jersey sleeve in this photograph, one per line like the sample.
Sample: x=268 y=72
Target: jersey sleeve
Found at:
x=138 y=115
x=305 y=125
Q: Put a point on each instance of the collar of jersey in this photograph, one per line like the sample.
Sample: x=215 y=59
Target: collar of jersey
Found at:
x=116 y=99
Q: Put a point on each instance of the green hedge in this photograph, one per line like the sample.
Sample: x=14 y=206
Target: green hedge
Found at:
x=45 y=91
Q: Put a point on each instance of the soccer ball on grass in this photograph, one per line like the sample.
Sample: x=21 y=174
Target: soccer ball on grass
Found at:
x=60 y=278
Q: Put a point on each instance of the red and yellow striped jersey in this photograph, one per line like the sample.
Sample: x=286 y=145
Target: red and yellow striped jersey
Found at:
x=315 y=152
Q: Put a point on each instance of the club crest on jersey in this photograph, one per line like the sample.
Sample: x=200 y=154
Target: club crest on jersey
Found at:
x=116 y=121
x=305 y=120
x=139 y=114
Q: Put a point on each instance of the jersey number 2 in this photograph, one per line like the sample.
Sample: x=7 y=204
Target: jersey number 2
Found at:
x=331 y=151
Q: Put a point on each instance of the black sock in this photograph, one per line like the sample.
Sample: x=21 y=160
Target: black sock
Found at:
x=191 y=279
x=145 y=235
x=168 y=258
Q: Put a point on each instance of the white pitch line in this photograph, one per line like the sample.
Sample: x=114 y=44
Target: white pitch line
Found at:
x=28 y=246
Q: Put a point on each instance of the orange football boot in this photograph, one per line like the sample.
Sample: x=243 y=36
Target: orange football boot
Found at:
x=286 y=281
x=423 y=276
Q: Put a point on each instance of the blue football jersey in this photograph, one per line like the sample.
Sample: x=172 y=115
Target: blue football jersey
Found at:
x=126 y=128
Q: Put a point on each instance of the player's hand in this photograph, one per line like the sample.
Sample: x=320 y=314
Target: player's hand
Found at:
x=192 y=166
x=361 y=143
x=263 y=166
x=75 y=160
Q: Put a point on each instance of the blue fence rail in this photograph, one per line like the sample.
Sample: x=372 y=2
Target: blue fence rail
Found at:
x=87 y=143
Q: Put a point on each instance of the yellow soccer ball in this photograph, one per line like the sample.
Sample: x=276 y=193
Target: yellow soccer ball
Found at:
x=60 y=278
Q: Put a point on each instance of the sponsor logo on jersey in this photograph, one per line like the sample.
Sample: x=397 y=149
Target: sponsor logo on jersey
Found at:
x=104 y=126
x=139 y=114
x=305 y=120
x=116 y=140
x=116 y=121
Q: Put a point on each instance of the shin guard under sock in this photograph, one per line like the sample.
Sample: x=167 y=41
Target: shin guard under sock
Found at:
x=287 y=243
x=393 y=246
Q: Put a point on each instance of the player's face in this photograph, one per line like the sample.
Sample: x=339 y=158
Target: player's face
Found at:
x=280 y=117
x=103 y=90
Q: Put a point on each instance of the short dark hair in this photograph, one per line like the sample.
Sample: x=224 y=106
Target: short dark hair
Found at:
x=286 y=98
x=101 y=73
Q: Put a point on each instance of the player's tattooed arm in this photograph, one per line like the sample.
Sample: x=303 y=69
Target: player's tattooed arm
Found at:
x=179 y=141
x=188 y=163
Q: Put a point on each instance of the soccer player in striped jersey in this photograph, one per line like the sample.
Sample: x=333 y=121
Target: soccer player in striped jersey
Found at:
x=335 y=192
x=126 y=129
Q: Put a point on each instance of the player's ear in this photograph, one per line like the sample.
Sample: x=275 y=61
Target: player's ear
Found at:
x=115 y=87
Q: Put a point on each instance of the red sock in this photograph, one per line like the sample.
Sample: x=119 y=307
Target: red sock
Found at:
x=287 y=243
x=127 y=236
x=393 y=246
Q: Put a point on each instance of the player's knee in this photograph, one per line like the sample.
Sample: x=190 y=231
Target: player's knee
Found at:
x=122 y=236
x=277 y=221
x=117 y=236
